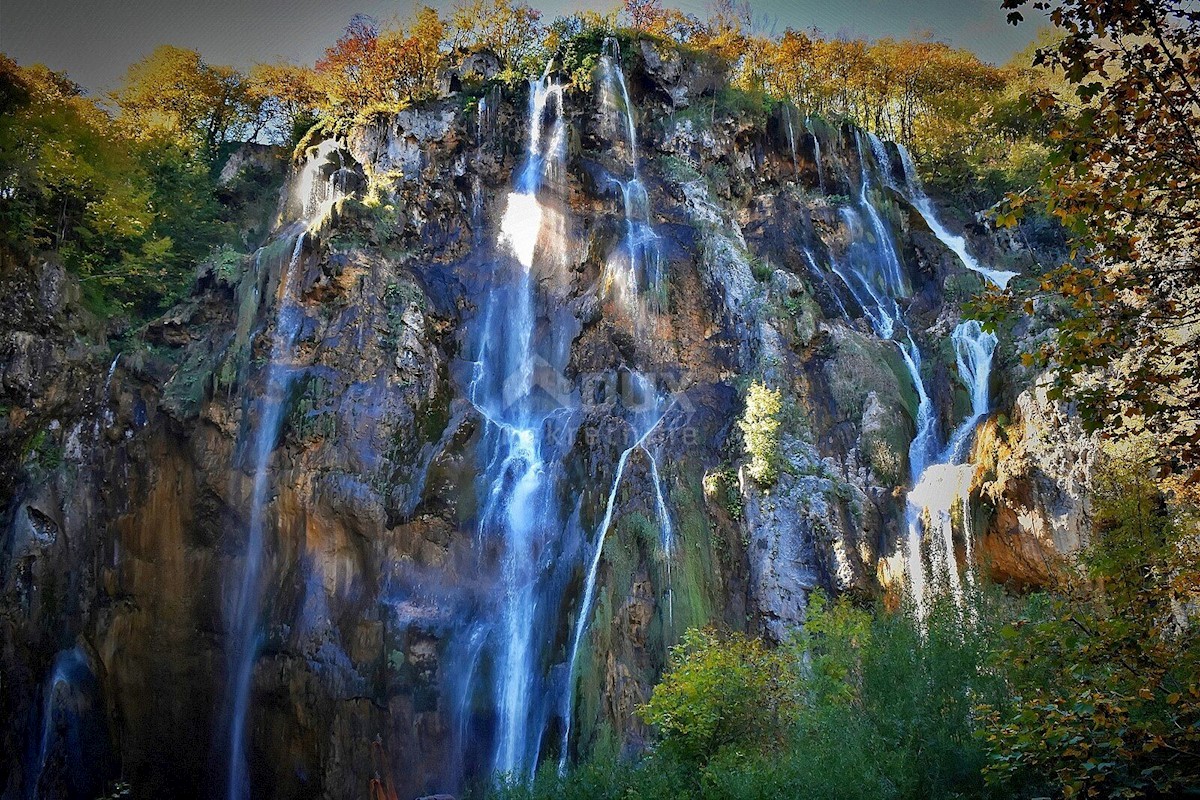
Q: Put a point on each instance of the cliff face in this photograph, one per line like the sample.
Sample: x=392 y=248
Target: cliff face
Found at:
x=378 y=646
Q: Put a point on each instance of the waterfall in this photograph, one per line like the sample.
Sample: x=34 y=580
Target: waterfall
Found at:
x=481 y=127
x=787 y=109
x=893 y=272
x=973 y=351
x=244 y=603
x=637 y=267
x=107 y=417
x=874 y=278
x=915 y=192
x=667 y=541
x=947 y=483
x=644 y=424
x=816 y=271
x=514 y=387
x=816 y=153
x=315 y=193
x=66 y=679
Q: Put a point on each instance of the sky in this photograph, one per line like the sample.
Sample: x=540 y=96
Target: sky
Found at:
x=96 y=40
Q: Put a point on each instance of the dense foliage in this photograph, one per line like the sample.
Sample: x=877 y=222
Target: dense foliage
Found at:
x=1105 y=671
x=1124 y=178
x=859 y=705
x=128 y=214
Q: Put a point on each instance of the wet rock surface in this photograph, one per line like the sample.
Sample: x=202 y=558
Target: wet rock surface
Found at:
x=126 y=499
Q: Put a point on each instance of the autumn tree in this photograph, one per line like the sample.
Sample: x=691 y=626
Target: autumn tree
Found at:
x=646 y=15
x=289 y=97
x=727 y=30
x=129 y=216
x=370 y=65
x=1104 y=673
x=348 y=74
x=201 y=106
x=507 y=28
x=1124 y=178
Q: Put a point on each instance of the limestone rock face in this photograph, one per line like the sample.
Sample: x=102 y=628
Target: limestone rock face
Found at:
x=126 y=480
x=403 y=143
x=681 y=79
x=1036 y=472
x=250 y=155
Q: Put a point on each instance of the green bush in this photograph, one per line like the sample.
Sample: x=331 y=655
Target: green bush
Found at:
x=722 y=691
x=1105 y=678
x=760 y=429
x=861 y=704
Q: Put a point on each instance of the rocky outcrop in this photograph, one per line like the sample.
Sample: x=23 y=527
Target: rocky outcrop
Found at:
x=250 y=156
x=1036 y=464
x=127 y=500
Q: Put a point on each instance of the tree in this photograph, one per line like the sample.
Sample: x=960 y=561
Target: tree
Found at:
x=509 y=29
x=722 y=691
x=1105 y=674
x=370 y=65
x=128 y=216
x=646 y=15
x=1124 y=178
x=415 y=55
x=348 y=73
x=727 y=31
x=760 y=428
x=289 y=97
x=174 y=92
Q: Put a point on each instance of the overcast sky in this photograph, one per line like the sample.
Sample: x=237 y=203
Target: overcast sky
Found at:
x=95 y=40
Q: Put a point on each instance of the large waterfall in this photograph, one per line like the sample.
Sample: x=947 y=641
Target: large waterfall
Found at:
x=875 y=279
x=314 y=193
x=517 y=390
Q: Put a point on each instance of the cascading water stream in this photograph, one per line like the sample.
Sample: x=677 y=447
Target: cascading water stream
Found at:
x=973 y=351
x=942 y=480
x=245 y=602
x=874 y=278
x=816 y=154
x=787 y=109
x=67 y=671
x=915 y=192
x=667 y=539
x=316 y=196
x=893 y=272
x=638 y=268
x=643 y=426
x=107 y=417
x=518 y=484
x=947 y=482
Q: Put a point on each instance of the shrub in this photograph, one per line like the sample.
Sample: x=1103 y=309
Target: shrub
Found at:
x=1106 y=679
x=760 y=428
x=722 y=691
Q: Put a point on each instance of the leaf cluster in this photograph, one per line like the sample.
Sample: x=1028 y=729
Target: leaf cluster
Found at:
x=1122 y=176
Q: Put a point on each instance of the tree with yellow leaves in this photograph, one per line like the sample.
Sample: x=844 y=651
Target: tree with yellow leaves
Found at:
x=175 y=92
